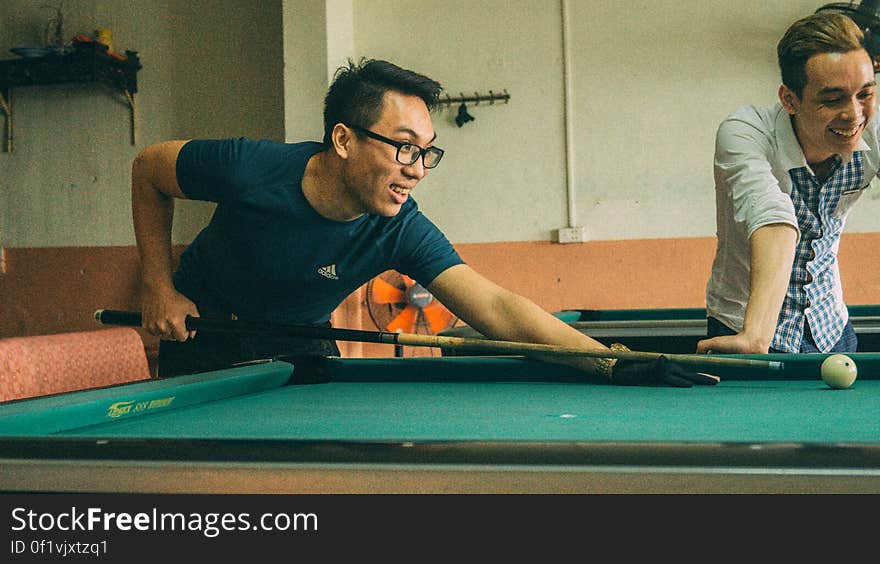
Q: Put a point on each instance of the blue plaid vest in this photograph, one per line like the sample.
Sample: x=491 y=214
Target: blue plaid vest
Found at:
x=811 y=297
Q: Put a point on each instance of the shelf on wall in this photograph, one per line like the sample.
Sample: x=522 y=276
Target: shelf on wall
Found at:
x=85 y=61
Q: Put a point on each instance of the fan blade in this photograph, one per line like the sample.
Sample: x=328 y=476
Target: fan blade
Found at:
x=438 y=316
x=381 y=292
x=405 y=322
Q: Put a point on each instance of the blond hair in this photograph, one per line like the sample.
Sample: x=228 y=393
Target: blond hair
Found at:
x=825 y=32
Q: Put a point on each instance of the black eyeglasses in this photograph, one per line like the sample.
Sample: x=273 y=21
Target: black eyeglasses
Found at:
x=407 y=153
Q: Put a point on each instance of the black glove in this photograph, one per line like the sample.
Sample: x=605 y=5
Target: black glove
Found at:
x=659 y=372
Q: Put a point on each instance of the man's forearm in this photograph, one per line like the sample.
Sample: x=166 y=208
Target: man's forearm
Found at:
x=772 y=255
x=523 y=320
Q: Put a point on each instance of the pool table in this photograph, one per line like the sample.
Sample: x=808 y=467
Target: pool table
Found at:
x=448 y=425
x=671 y=330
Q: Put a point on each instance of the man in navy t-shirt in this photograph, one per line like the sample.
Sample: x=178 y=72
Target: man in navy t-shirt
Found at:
x=300 y=226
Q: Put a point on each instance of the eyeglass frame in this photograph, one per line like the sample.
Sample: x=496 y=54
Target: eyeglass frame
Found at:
x=399 y=145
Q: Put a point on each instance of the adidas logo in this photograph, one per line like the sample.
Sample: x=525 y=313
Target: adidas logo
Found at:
x=328 y=271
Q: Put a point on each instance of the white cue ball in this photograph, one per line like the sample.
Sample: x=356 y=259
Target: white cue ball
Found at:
x=839 y=371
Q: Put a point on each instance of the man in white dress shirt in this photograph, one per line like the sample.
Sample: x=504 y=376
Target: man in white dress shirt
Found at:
x=785 y=179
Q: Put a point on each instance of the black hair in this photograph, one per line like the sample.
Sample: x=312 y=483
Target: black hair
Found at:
x=358 y=90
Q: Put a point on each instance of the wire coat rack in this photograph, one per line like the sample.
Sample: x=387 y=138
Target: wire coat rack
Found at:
x=476 y=98
x=463 y=100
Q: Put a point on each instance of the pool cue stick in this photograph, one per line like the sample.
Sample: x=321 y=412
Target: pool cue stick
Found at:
x=133 y=319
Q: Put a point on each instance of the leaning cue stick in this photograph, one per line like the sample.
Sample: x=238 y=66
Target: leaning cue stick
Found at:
x=133 y=319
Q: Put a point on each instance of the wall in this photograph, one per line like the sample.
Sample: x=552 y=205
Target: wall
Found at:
x=305 y=68
x=205 y=72
x=650 y=82
x=65 y=221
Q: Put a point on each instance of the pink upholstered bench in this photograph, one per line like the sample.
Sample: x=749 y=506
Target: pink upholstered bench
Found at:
x=49 y=364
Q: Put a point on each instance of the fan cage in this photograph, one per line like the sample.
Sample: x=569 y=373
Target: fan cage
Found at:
x=397 y=303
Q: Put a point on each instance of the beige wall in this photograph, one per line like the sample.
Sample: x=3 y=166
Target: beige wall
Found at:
x=305 y=68
x=650 y=82
x=210 y=68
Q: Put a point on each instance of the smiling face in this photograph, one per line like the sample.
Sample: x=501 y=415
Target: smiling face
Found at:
x=836 y=104
x=375 y=182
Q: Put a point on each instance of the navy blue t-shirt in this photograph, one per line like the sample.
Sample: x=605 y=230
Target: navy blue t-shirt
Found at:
x=268 y=255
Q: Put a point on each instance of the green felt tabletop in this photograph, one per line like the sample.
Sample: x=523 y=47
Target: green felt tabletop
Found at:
x=450 y=399
x=800 y=411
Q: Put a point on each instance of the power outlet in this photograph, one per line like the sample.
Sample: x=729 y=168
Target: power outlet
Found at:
x=571 y=235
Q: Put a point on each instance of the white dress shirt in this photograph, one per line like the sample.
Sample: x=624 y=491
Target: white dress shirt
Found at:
x=755 y=148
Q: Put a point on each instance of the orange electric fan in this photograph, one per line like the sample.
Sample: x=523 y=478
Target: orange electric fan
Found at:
x=398 y=304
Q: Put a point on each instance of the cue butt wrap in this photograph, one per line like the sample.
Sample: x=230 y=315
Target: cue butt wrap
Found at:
x=115 y=317
x=135 y=319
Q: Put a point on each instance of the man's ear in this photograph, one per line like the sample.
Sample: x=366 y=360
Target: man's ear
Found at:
x=789 y=99
x=341 y=138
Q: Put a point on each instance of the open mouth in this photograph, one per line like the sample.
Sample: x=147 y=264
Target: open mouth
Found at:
x=847 y=133
x=400 y=190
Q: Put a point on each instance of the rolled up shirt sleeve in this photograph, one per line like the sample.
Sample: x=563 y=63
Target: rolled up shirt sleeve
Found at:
x=754 y=150
x=750 y=184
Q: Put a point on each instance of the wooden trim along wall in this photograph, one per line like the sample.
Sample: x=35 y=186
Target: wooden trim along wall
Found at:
x=57 y=289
